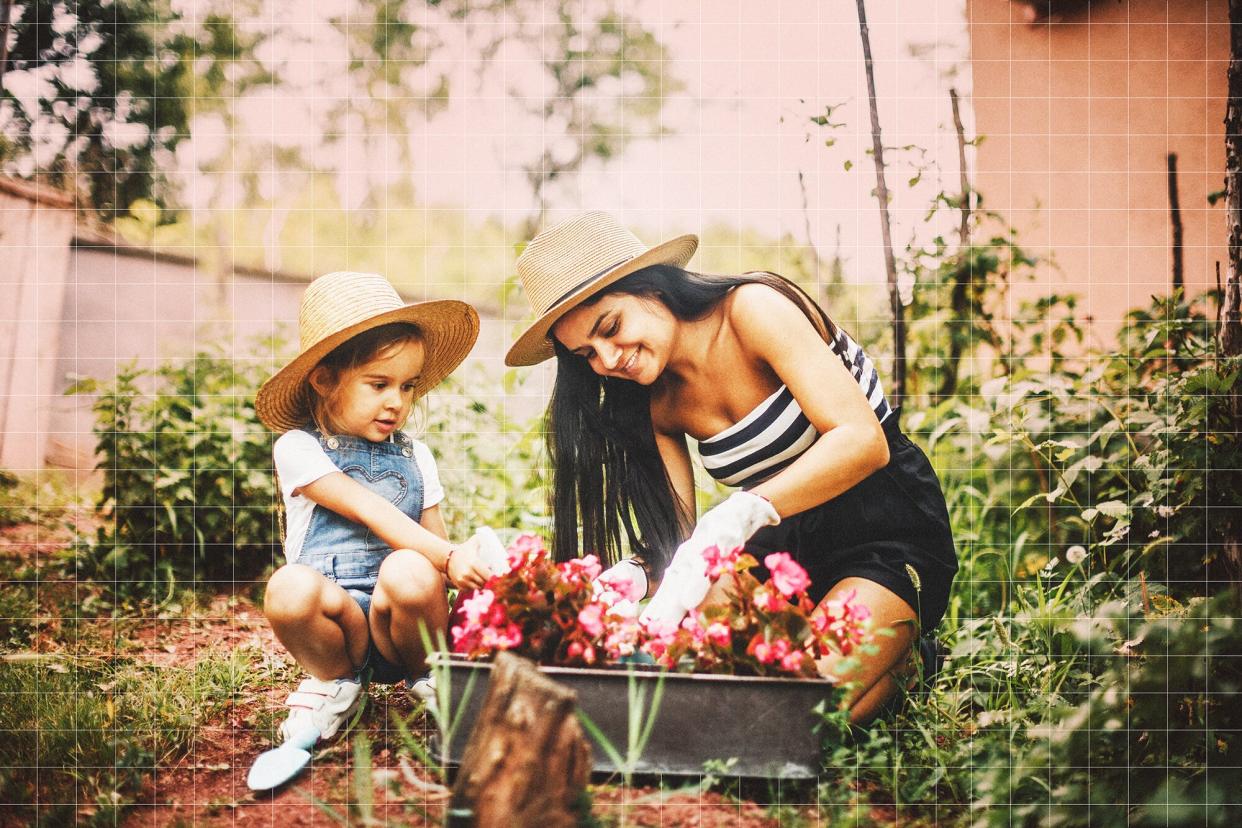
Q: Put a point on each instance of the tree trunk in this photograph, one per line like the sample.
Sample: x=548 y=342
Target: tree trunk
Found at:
x=1229 y=324
x=881 y=194
x=527 y=761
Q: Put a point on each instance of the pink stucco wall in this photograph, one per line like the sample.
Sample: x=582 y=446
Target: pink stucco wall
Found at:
x=1079 y=113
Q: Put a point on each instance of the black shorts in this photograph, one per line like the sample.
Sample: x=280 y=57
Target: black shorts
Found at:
x=894 y=519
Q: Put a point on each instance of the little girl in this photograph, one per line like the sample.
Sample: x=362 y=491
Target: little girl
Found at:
x=366 y=543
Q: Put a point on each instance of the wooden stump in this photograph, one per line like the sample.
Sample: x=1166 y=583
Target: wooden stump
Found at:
x=527 y=761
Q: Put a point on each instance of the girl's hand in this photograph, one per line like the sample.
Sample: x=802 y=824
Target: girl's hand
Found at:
x=466 y=568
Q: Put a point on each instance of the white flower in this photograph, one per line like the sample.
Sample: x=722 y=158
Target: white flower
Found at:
x=1164 y=510
x=79 y=74
x=63 y=20
x=1076 y=554
x=125 y=136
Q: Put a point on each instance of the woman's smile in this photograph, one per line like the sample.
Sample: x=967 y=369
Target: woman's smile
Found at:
x=621 y=335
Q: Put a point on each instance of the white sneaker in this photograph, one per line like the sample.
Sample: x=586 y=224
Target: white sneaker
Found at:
x=325 y=705
x=425 y=688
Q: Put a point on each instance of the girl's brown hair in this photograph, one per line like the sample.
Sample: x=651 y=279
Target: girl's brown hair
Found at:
x=349 y=355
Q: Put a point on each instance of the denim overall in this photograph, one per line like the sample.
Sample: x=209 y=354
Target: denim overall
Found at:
x=349 y=553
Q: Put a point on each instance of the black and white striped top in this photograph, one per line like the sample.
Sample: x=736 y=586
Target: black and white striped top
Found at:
x=776 y=432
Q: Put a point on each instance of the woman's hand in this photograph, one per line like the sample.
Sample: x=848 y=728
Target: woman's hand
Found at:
x=726 y=526
x=465 y=567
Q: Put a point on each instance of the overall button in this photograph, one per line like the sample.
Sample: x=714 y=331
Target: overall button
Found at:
x=407 y=452
x=334 y=443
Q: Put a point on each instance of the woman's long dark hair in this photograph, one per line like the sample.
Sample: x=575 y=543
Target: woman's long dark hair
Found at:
x=606 y=468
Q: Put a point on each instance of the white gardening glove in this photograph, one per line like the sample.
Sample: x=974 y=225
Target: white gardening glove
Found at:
x=625 y=582
x=492 y=551
x=726 y=526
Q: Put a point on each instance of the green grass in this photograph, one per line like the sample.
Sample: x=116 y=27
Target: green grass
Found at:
x=79 y=735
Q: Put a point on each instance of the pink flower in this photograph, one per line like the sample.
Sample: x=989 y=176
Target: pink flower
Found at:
x=477 y=605
x=787 y=575
x=525 y=549
x=591 y=618
x=584 y=569
x=768 y=651
x=620 y=585
x=767 y=600
x=719 y=634
x=718 y=562
x=792 y=662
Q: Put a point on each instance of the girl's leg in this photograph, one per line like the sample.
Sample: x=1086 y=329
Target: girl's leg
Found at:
x=877 y=677
x=410 y=593
x=323 y=628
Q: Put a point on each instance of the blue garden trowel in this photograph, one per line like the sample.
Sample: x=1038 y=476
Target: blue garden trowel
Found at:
x=275 y=767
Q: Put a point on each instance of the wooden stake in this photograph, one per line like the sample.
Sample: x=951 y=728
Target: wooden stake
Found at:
x=881 y=194
x=1175 y=216
x=527 y=761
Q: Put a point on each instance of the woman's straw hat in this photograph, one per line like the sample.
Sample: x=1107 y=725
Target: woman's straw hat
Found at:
x=338 y=307
x=570 y=262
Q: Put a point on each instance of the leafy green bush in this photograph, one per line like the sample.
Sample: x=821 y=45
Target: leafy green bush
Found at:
x=1156 y=741
x=188 y=491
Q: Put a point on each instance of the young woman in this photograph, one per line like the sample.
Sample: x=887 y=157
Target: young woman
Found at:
x=781 y=402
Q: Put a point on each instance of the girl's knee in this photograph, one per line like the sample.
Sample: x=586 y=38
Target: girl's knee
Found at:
x=407 y=578
x=294 y=592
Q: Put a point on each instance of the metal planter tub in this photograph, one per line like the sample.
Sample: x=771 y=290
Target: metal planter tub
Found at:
x=767 y=725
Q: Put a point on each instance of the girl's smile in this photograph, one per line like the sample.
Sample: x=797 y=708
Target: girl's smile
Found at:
x=374 y=399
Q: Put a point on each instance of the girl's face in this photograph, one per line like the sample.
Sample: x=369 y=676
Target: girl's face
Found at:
x=622 y=335
x=374 y=399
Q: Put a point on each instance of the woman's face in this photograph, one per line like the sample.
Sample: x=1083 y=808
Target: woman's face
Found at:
x=621 y=335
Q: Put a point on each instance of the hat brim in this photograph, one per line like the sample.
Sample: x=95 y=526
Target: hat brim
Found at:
x=447 y=328
x=534 y=345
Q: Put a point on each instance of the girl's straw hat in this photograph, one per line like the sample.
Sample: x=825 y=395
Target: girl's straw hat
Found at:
x=338 y=307
x=570 y=262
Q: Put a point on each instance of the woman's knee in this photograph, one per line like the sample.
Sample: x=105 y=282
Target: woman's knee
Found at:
x=295 y=593
x=407 y=579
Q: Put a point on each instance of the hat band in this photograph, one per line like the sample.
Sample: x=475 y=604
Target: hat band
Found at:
x=586 y=282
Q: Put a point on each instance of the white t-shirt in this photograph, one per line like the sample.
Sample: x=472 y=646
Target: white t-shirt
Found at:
x=300 y=461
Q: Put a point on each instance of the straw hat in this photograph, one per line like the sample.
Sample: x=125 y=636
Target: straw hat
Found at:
x=338 y=307
x=570 y=262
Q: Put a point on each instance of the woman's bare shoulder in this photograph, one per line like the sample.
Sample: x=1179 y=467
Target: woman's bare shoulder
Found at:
x=759 y=311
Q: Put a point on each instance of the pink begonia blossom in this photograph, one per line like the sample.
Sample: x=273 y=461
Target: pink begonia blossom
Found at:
x=591 y=619
x=767 y=600
x=719 y=634
x=477 y=605
x=525 y=549
x=768 y=651
x=792 y=662
x=584 y=569
x=787 y=575
x=623 y=586
x=719 y=562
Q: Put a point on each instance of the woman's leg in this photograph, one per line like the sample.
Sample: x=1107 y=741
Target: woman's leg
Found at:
x=410 y=592
x=323 y=628
x=877 y=676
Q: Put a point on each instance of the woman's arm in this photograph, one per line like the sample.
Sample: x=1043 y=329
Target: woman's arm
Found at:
x=851 y=445
x=676 y=458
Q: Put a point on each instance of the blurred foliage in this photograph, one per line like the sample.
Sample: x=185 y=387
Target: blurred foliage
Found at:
x=187 y=484
x=97 y=96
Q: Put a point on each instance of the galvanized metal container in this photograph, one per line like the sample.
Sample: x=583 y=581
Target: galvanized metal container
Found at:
x=768 y=725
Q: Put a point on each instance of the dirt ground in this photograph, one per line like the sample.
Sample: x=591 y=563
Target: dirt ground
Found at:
x=206 y=784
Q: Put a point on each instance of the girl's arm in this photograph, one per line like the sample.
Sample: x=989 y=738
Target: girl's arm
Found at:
x=852 y=444
x=433 y=521
x=350 y=499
